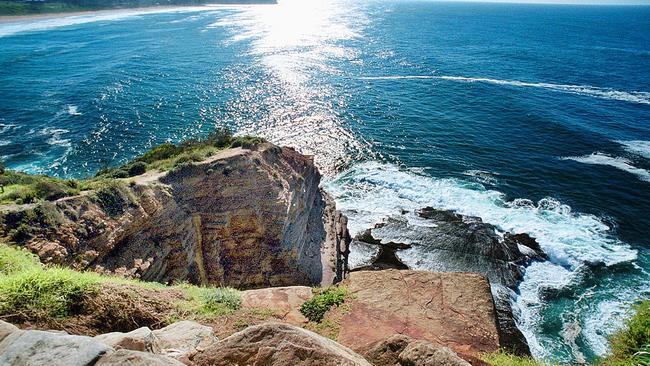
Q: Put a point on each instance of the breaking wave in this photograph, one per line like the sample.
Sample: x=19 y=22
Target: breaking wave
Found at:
x=616 y=162
x=639 y=97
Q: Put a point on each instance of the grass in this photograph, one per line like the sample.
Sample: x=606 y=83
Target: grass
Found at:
x=315 y=308
x=30 y=290
x=501 y=358
x=631 y=344
x=27 y=188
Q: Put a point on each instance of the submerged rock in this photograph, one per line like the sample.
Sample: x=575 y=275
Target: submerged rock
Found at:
x=204 y=223
x=278 y=344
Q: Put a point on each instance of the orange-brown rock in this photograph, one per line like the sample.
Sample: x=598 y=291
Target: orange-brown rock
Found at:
x=284 y=302
x=242 y=218
x=277 y=344
x=453 y=310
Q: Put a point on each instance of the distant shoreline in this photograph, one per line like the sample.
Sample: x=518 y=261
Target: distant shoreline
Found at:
x=55 y=15
x=44 y=16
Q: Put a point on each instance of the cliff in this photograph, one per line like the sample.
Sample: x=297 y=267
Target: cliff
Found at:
x=242 y=218
x=252 y=218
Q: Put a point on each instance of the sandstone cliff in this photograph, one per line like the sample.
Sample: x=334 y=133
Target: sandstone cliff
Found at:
x=241 y=218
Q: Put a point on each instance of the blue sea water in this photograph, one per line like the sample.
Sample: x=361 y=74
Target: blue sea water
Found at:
x=534 y=117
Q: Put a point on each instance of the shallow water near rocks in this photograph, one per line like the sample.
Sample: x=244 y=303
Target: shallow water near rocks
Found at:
x=532 y=117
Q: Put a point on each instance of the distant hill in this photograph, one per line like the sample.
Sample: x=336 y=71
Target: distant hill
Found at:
x=26 y=7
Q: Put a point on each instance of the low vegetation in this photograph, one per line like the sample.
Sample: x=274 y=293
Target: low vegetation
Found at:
x=169 y=156
x=505 y=359
x=315 y=308
x=30 y=291
x=631 y=345
x=22 y=188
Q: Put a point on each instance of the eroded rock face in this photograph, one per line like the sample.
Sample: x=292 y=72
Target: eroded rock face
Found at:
x=453 y=310
x=205 y=223
x=401 y=350
x=278 y=344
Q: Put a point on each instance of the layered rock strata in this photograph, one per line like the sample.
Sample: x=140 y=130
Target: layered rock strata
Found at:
x=242 y=218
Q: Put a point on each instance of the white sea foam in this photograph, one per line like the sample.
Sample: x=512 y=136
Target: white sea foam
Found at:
x=623 y=164
x=31 y=25
x=639 y=97
x=73 y=110
x=637 y=147
x=371 y=191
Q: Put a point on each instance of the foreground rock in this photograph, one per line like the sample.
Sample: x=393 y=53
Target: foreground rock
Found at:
x=453 y=310
x=184 y=339
x=135 y=358
x=277 y=344
x=204 y=223
x=439 y=240
x=35 y=347
x=141 y=339
x=401 y=350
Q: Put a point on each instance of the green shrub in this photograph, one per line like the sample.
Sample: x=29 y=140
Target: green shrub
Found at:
x=160 y=152
x=246 y=142
x=50 y=191
x=315 y=308
x=137 y=168
x=211 y=300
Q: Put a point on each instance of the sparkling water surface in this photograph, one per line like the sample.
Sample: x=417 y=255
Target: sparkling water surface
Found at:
x=534 y=117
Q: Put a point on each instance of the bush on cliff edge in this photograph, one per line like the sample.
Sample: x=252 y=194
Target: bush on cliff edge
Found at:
x=315 y=308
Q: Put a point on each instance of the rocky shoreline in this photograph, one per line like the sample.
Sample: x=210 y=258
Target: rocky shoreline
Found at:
x=255 y=218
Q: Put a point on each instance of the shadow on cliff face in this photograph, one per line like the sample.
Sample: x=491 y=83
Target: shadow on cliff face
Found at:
x=443 y=241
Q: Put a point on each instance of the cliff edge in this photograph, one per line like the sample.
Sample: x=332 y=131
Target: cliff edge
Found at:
x=245 y=218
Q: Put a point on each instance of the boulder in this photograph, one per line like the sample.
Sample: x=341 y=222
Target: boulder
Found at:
x=284 y=302
x=183 y=339
x=421 y=353
x=124 y=357
x=141 y=339
x=278 y=344
x=452 y=310
x=35 y=347
x=6 y=329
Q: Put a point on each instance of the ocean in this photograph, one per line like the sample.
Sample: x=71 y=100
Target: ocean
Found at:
x=535 y=118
